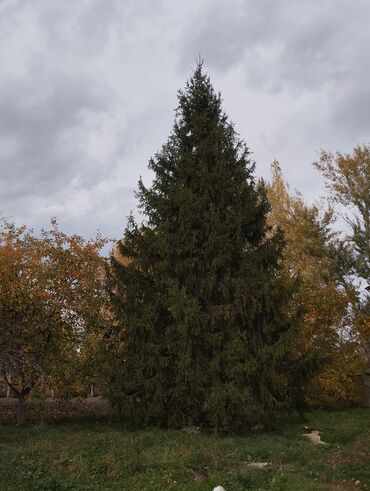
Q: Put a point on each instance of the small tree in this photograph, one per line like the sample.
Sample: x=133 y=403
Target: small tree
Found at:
x=200 y=301
x=348 y=181
x=50 y=295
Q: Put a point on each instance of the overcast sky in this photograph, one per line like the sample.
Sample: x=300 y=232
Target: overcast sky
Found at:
x=88 y=90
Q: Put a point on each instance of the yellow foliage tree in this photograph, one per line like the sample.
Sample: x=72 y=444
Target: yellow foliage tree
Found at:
x=310 y=256
x=347 y=177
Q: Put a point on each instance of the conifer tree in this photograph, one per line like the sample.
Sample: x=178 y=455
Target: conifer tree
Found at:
x=200 y=300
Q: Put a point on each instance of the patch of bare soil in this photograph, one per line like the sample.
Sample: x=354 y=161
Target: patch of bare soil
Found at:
x=314 y=437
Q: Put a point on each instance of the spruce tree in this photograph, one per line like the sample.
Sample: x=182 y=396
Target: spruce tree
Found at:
x=200 y=300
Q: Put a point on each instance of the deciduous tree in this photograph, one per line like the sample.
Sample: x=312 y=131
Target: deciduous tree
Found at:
x=311 y=254
x=347 y=178
x=51 y=294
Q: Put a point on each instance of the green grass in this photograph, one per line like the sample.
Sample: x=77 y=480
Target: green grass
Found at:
x=98 y=456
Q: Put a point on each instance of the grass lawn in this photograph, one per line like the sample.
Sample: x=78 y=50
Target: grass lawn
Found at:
x=100 y=455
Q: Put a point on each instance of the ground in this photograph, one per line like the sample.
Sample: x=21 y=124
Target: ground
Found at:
x=96 y=454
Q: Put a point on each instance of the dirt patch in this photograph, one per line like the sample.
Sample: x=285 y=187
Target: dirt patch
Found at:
x=314 y=437
x=259 y=465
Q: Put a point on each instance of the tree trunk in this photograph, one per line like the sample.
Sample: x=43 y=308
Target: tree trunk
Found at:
x=366 y=394
x=22 y=410
x=119 y=410
x=8 y=389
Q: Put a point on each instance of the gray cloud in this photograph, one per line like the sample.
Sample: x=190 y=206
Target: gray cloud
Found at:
x=299 y=45
x=223 y=32
x=299 y=72
x=37 y=122
x=87 y=94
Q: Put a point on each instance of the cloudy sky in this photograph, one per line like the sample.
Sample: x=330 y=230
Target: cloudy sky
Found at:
x=88 y=90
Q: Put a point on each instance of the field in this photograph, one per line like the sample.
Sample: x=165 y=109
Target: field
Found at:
x=98 y=455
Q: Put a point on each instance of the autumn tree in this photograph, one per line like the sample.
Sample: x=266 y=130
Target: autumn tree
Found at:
x=200 y=302
x=347 y=177
x=51 y=295
x=314 y=254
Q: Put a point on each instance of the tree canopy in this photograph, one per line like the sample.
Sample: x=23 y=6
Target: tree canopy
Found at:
x=51 y=297
x=347 y=177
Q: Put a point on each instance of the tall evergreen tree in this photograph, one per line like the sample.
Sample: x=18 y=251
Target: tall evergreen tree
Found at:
x=200 y=299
